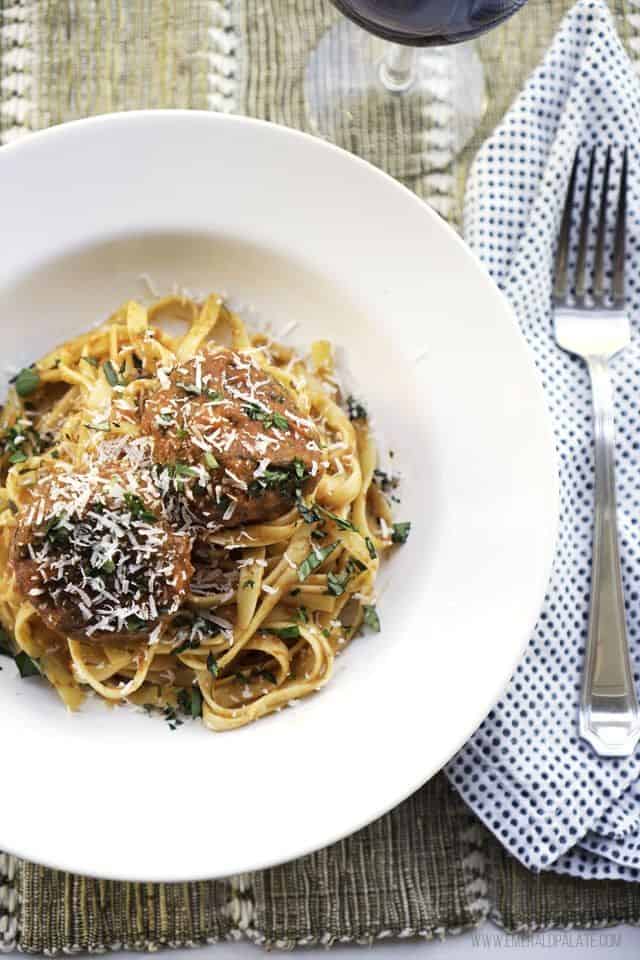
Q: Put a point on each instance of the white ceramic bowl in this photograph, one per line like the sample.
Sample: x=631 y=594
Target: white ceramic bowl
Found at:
x=304 y=232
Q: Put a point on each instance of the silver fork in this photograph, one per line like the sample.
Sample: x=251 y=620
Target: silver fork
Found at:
x=594 y=325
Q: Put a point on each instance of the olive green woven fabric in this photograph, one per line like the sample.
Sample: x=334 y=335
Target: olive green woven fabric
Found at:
x=427 y=868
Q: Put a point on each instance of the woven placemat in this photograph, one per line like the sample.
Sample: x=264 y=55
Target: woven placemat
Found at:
x=428 y=868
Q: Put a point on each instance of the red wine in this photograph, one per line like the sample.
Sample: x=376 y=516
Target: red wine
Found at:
x=428 y=22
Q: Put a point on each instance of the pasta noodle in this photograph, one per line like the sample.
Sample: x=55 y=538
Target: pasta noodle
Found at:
x=230 y=618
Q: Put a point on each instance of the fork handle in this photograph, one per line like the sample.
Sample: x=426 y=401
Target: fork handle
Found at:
x=609 y=713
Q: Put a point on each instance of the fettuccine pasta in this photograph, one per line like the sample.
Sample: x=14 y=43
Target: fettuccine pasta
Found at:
x=188 y=522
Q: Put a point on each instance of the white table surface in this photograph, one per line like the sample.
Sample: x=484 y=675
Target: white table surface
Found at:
x=622 y=942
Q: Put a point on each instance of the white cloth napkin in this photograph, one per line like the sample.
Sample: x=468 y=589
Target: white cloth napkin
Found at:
x=545 y=794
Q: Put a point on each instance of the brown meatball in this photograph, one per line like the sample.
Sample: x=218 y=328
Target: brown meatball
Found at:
x=95 y=558
x=234 y=445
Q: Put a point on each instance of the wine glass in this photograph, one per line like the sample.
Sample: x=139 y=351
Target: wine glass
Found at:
x=408 y=93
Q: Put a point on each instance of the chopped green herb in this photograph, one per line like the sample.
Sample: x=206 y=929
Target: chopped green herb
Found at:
x=188 y=644
x=315 y=559
x=299 y=469
x=212 y=665
x=135 y=623
x=326 y=633
x=302 y=615
x=339 y=521
x=241 y=677
x=268 y=418
x=213 y=395
x=18 y=457
x=104 y=426
x=280 y=422
x=284 y=633
x=400 y=532
x=337 y=583
x=355 y=409
x=182 y=470
x=248 y=584
x=27 y=381
x=268 y=675
x=55 y=454
x=5 y=644
x=137 y=509
x=354 y=564
x=27 y=667
x=211 y=461
x=91 y=360
x=371 y=618
x=191 y=701
x=172 y=718
x=371 y=547
x=111 y=373
x=181 y=433
x=308 y=514
x=54 y=530
x=108 y=567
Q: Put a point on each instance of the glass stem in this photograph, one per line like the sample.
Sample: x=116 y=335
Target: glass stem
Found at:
x=397 y=70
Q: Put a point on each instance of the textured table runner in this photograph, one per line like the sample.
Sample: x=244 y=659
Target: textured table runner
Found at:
x=428 y=868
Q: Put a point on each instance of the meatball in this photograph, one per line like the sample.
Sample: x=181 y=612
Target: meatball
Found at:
x=95 y=557
x=233 y=445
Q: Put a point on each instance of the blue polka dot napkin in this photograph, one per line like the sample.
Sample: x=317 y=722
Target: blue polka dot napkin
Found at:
x=546 y=795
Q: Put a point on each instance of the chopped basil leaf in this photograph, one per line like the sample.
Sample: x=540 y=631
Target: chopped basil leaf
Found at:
x=371 y=547
x=191 y=701
x=339 y=522
x=212 y=665
x=111 y=373
x=137 y=508
x=248 y=584
x=280 y=422
x=5 y=644
x=308 y=514
x=54 y=532
x=27 y=667
x=18 y=457
x=355 y=409
x=211 y=461
x=172 y=718
x=188 y=644
x=302 y=615
x=371 y=618
x=269 y=419
x=196 y=702
x=108 y=567
x=400 y=532
x=27 y=381
x=336 y=583
x=314 y=560
x=134 y=623
x=182 y=470
x=285 y=633
x=91 y=360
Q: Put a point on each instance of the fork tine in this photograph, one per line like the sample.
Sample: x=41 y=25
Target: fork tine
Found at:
x=618 y=252
x=598 y=265
x=561 y=281
x=584 y=230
